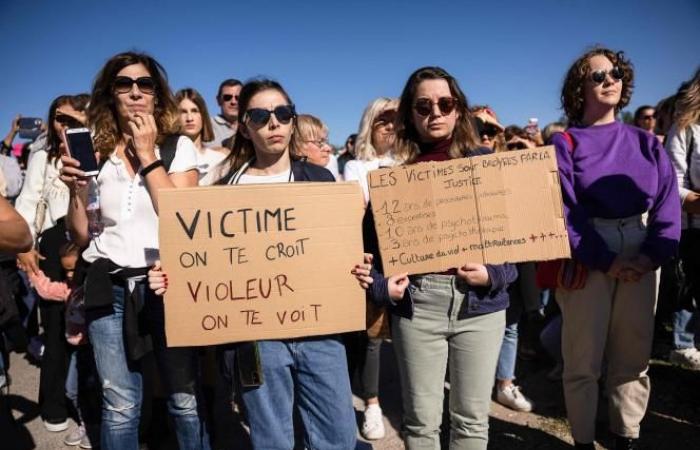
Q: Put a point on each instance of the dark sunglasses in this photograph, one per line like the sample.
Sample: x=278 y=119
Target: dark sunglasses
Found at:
x=648 y=117
x=68 y=121
x=228 y=97
x=385 y=118
x=283 y=113
x=486 y=129
x=424 y=106
x=599 y=75
x=123 y=85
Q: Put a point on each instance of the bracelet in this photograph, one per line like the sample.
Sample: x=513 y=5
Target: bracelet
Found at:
x=152 y=166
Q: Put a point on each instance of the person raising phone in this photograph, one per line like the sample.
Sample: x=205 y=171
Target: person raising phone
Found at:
x=43 y=203
x=132 y=111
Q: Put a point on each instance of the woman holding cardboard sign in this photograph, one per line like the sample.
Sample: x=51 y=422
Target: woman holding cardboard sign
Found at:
x=456 y=316
x=623 y=218
x=276 y=375
x=131 y=110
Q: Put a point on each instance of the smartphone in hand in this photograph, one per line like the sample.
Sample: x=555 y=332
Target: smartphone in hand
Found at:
x=80 y=147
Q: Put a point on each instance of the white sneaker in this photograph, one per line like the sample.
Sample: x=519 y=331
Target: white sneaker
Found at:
x=56 y=425
x=373 y=423
x=85 y=442
x=686 y=357
x=75 y=436
x=512 y=398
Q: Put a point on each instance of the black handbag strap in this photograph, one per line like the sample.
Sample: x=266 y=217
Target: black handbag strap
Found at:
x=690 y=138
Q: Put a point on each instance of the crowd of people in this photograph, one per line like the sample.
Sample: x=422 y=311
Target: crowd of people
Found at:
x=81 y=285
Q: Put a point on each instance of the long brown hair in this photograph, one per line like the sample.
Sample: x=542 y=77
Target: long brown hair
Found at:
x=572 y=97
x=688 y=103
x=102 y=113
x=464 y=138
x=196 y=98
x=53 y=140
x=243 y=149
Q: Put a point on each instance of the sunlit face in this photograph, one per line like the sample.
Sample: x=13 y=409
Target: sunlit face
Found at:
x=273 y=137
x=134 y=101
x=228 y=101
x=383 y=135
x=190 y=118
x=436 y=126
x=316 y=148
x=605 y=94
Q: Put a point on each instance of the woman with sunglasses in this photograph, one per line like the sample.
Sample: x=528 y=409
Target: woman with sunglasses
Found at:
x=308 y=373
x=196 y=125
x=457 y=316
x=623 y=217
x=131 y=111
x=488 y=128
x=43 y=186
x=374 y=143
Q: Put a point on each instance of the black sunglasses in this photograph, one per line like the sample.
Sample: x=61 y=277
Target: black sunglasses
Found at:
x=424 y=106
x=486 y=129
x=283 y=113
x=123 y=84
x=228 y=97
x=599 y=76
x=68 y=121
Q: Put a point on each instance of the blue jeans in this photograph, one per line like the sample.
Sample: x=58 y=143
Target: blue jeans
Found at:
x=122 y=383
x=505 y=370
x=311 y=373
x=685 y=326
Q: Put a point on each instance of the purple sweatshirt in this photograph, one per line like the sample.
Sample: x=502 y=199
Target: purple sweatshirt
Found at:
x=616 y=171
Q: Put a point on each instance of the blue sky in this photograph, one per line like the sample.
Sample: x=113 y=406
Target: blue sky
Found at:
x=334 y=57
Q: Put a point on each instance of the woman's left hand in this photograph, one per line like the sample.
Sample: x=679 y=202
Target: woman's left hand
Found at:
x=157 y=279
x=144 y=133
x=362 y=271
x=474 y=274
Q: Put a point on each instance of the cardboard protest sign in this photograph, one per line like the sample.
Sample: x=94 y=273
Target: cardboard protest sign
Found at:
x=503 y=207
x=255 y=262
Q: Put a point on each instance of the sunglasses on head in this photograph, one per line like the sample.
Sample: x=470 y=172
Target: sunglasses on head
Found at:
x=228 y=97
x=424 y=106
x=599 y=76
x=283 y=113
x=123 y=84
x=68 y=121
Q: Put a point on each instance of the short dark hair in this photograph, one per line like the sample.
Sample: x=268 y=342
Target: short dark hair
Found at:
x=229 y=82
x=572 y=99
x=639 y=111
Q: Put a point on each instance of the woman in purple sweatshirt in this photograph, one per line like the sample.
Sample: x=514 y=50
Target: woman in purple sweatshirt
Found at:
x=623 y=217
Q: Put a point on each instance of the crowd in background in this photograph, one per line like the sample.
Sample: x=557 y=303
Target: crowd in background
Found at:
x=81 y=287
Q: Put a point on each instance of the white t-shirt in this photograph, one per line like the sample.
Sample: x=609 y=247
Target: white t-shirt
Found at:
x=207 y=159
x=332 y=166
x=283 y=177
x=130 y=236
x=357 y=170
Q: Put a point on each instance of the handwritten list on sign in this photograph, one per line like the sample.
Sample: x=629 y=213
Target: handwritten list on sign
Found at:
x=503 y=207
x=261 y=261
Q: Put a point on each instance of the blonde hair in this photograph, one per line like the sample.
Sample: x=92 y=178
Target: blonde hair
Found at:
x=308 y=127
x=688 y=103
x=364 y=148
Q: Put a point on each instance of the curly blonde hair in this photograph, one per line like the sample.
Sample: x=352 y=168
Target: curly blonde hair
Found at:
x=572 y=96
x=364 y=149
x=102 y=113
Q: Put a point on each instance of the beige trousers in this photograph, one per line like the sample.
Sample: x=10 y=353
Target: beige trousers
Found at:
x=612 y=320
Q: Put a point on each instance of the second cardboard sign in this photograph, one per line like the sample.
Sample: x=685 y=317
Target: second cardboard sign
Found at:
x=504 y=207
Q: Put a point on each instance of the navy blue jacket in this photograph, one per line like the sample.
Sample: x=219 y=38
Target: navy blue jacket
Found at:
x=480 y=300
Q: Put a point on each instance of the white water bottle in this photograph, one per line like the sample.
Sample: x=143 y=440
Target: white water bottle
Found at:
x=94 y=213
